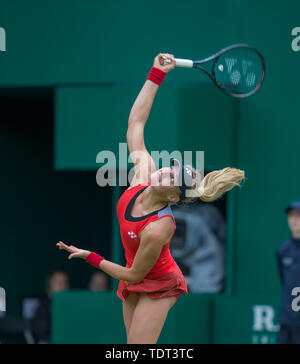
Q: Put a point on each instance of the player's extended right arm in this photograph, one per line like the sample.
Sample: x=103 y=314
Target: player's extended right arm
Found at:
x=142 y=106
x=138 y=118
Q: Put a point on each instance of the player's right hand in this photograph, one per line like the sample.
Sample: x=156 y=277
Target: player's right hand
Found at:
x=168 y=67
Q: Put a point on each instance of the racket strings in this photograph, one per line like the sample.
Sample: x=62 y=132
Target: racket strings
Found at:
x=239 y=71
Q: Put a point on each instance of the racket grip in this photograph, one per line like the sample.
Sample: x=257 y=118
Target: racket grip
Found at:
x=186 y=63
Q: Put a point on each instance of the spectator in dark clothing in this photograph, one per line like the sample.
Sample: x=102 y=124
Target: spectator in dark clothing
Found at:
x=13 y=326
x=288 y=256
x=41 y=323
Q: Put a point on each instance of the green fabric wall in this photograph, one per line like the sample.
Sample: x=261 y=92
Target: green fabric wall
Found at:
x=97 y=318
x=91 y=120
x=97 y=54
x=88 y=42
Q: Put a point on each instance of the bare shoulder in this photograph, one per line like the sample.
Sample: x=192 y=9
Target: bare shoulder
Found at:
x=160 y=231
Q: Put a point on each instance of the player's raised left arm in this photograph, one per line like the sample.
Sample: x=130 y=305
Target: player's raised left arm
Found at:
x=144 y=164
x=114 y=270
x=153 y=238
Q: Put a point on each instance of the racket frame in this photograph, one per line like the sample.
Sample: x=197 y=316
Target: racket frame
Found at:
x=187 y=63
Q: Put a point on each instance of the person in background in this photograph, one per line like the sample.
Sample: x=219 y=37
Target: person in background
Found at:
x=99 y=282
x=41 y=324
x=288 y=255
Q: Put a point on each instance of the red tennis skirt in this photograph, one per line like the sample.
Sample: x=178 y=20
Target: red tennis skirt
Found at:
x=165 y=285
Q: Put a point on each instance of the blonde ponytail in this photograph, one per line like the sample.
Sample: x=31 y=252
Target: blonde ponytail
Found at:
x=216 y=183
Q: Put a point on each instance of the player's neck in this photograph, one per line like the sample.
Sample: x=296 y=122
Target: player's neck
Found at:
x=152 y=201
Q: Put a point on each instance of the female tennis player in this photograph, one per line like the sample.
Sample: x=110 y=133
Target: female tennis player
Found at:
x=152 y=282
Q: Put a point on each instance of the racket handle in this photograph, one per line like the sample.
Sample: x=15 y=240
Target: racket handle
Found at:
x=186 y=63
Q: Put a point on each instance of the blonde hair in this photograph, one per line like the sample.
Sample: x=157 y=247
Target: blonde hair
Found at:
x=215 y=184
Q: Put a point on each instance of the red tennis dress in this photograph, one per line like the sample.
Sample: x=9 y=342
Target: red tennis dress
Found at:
x=165 y=278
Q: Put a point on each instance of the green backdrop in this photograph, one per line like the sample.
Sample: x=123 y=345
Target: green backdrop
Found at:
x=95 y=57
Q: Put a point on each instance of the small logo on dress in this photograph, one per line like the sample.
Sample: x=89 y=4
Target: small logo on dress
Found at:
x=132 y=235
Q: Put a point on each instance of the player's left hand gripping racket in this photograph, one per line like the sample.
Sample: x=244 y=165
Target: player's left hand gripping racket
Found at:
x=238 y=70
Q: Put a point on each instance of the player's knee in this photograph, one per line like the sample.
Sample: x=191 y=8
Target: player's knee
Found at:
x=135 y=338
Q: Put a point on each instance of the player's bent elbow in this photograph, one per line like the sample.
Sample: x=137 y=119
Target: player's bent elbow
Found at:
x=135 y=278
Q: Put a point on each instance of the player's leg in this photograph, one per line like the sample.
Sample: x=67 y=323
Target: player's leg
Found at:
x=148 y=319
x=128 y=309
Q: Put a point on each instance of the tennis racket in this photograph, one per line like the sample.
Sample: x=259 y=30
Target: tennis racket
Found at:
x=238 y=70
